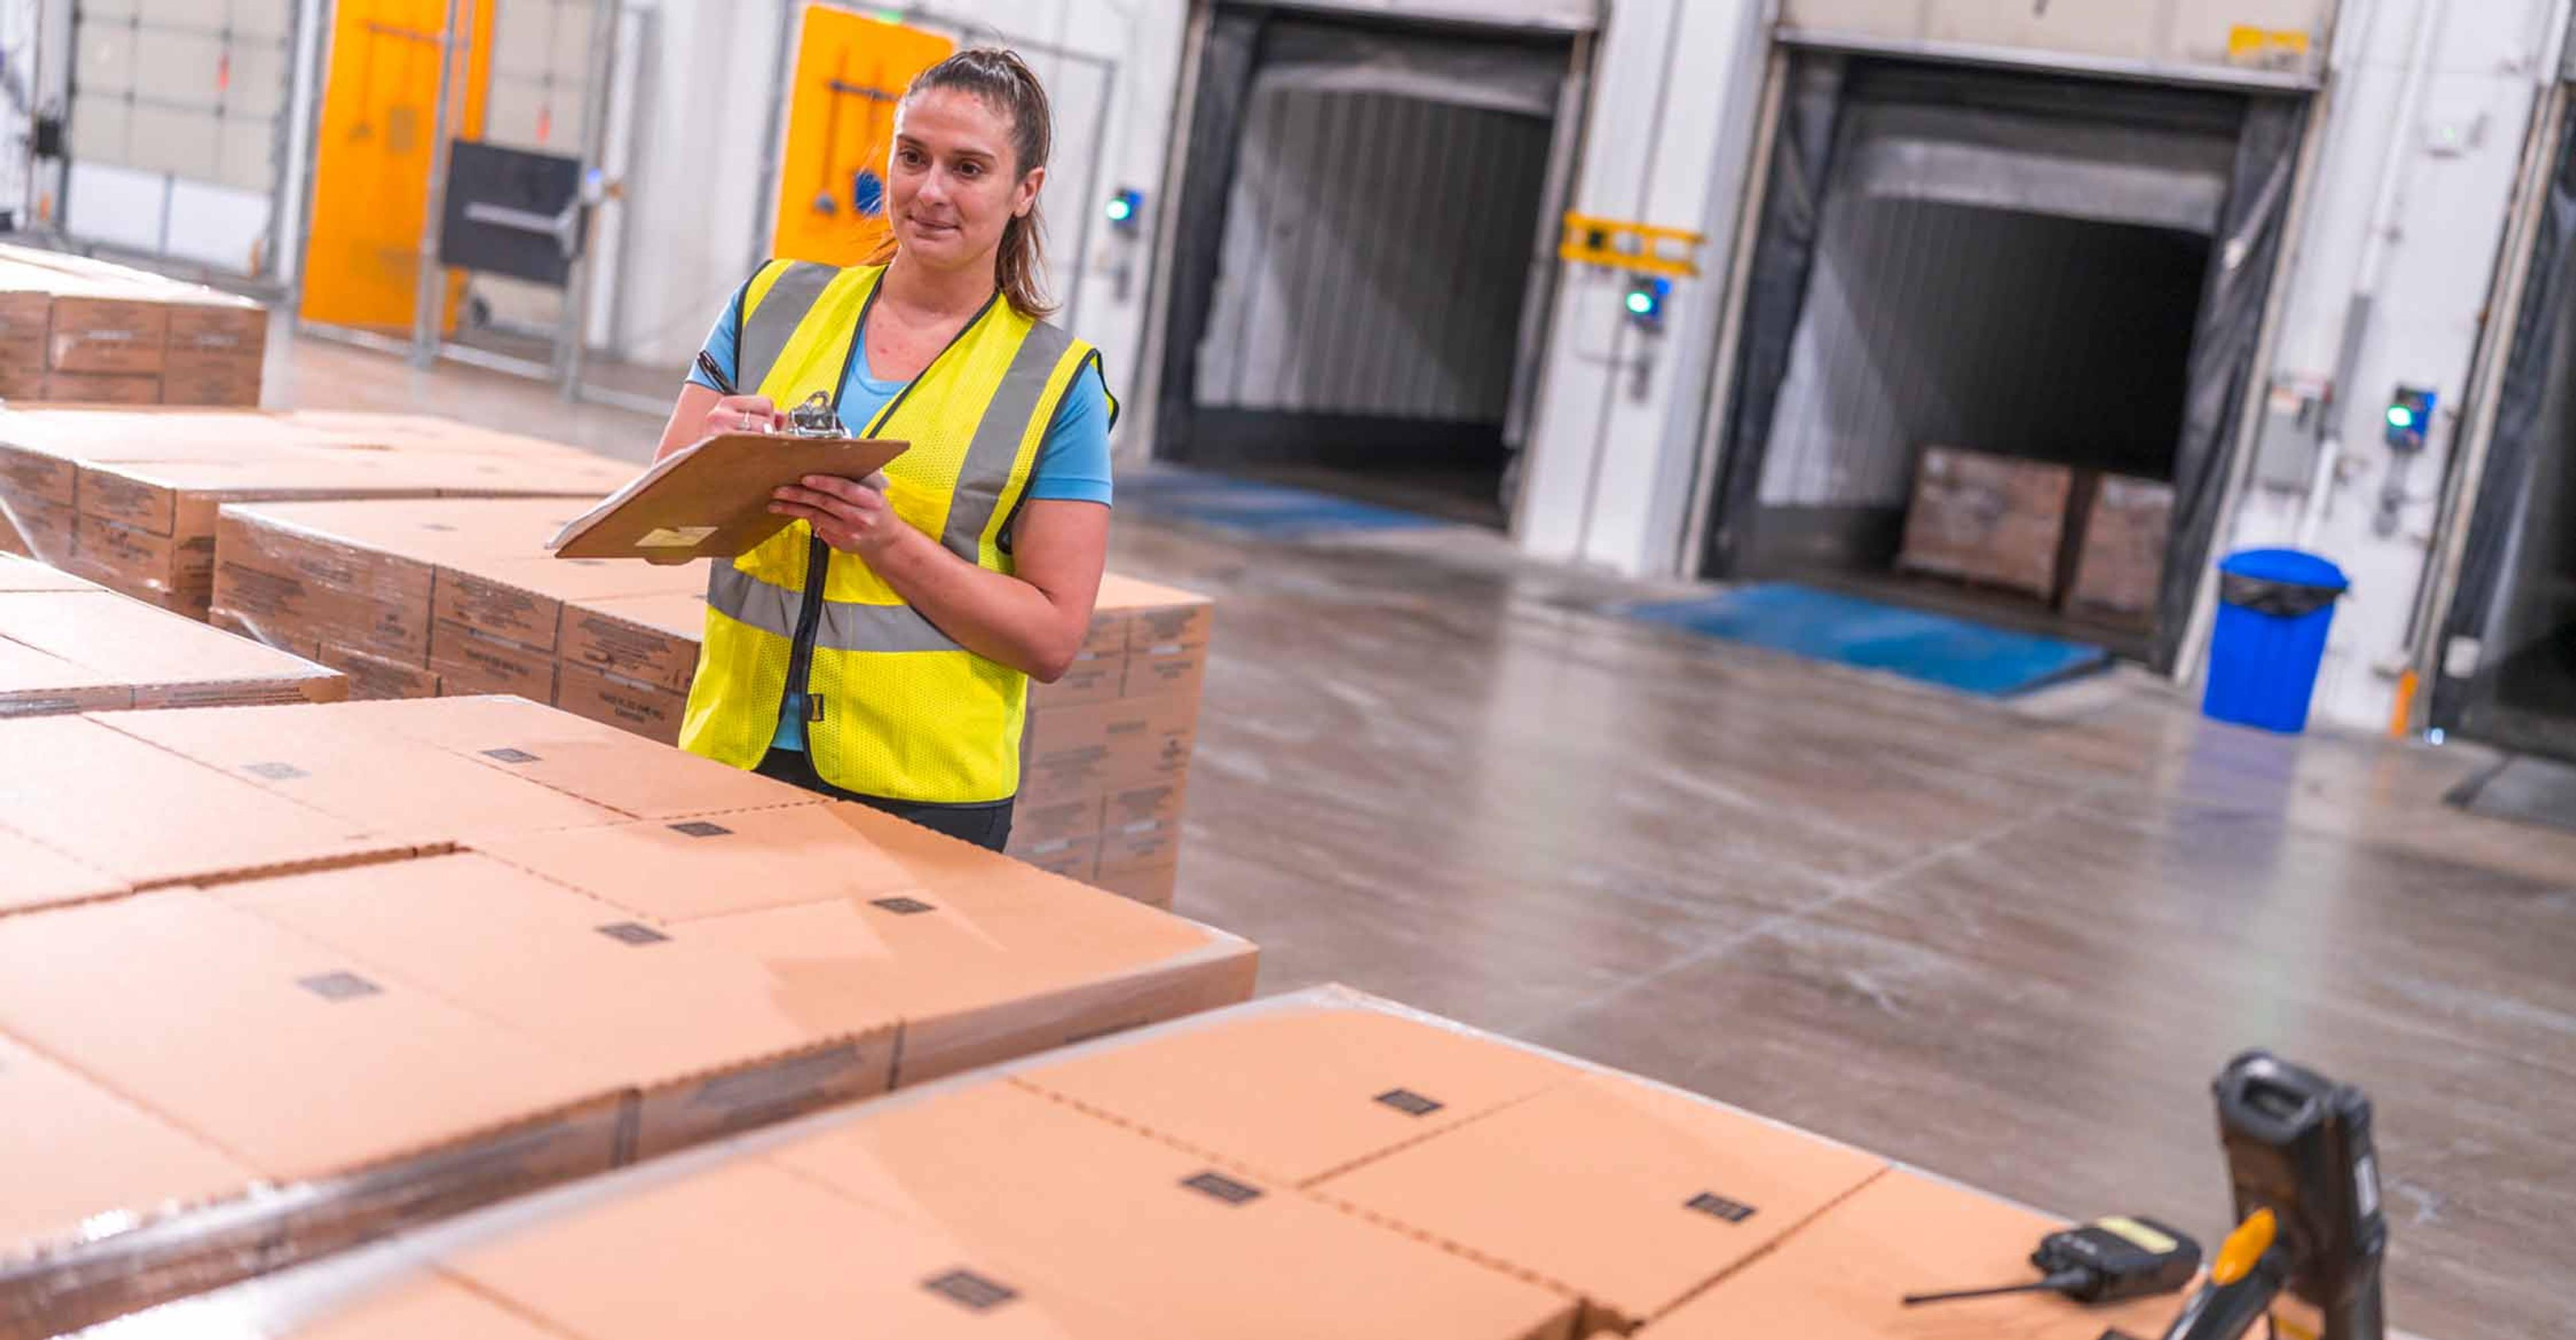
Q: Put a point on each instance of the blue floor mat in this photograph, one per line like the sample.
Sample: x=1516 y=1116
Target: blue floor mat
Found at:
x=1265 y=511
x=1932 y=648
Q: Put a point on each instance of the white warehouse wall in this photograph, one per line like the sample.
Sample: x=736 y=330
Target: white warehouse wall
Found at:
x=1674 y=89
x=695 y=197
x=2459 y=164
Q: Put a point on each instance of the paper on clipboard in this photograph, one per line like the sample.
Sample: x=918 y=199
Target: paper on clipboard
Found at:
x=711 y=499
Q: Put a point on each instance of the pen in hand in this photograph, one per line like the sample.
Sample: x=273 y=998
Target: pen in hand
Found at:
x=715 y=373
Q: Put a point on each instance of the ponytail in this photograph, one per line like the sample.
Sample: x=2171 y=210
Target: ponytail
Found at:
x=1009 y=86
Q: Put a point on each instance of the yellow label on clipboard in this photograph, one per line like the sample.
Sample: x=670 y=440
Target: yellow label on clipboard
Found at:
x=675 y=537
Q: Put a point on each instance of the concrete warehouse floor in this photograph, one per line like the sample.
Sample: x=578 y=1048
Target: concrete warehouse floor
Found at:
x=2009 y=944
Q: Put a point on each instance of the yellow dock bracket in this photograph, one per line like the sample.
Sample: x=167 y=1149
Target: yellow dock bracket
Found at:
x=1642 y=247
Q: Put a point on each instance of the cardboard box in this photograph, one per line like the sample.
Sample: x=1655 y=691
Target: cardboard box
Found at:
x=649 y=639
x=31 y=472
x=364 y=1106
x=183 y=496
x=1148 y=741
x=39 y=876
x=1079 y=780
x=467 y=662
x=1094 y=677
x=821 y=1263
x=1106 y=638
x=212 y=380
x=26 y=317
x=22 y=575
x=1071 y=857
x=44 y=531
x=304 y=1063
x=1153 y=802
x=225 y=621
x=34 y=683
x=639 y=709
x=108 y=335
x=983 y=958
x=1168 y=668
x=287 y=579
x=679 y=872
x=1152 y=885
x=1158 y=614
x=22 y=370
x=145 y=816
x=1294 y=1091
x=994 y=969
x=1629 y=1197
x=137 y=562
x=101 y=388
x=498 y=608
x=712 y=1040
x=381 y=783
x=2122 y=565
x=374 y=677
x=1065 y=752
x=1988 y=519
x=1843 y=1276
x=378 y=576
x=237 y=331
x=163 y=659
x=167 y=473
x=96 y=1185
x=75 y=1150
x=1031 y=824
x=1143 y=844
x=1143 y=1225
x=585 y=759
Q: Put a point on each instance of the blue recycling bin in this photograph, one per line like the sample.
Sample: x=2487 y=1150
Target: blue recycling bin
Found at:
x=2275 y=607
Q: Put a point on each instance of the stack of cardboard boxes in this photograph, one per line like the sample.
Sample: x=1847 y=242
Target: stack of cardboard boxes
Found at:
x=76 y=330
x=1319 y=1164
x=416 y=600
x=1105 y=763
x=2082 y=540
x=375 y=963
x=1989 y=519
x=68 y=645
x=2128 y=531
x=456 y=596
x=129 y=498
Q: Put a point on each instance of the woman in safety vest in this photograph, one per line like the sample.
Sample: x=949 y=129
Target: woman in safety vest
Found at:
x=880 y=648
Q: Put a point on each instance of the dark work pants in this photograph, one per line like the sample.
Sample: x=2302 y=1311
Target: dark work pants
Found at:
x=987 y=826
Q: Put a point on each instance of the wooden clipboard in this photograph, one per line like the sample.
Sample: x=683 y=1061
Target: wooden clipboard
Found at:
x=711 y=499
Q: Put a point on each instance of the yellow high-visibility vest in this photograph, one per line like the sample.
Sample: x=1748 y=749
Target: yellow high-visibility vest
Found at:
x=895 y=708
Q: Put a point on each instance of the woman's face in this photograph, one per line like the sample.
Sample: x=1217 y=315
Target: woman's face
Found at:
x=951 y=188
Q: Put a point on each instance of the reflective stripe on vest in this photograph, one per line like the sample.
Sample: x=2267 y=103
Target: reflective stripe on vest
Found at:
x=905 y=712
x=770 y=313
x=846 y=625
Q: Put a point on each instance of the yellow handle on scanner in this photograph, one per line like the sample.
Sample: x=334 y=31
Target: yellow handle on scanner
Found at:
x=2244 y=1247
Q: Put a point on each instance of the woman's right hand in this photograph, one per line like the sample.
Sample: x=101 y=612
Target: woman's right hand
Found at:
x=744 y=414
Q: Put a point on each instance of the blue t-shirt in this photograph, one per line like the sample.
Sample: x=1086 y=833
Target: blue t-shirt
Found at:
x=1072 y=464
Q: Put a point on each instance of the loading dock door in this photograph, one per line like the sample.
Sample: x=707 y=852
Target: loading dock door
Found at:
x=1357 y=228
x=2508 y=664
x=2032 y=265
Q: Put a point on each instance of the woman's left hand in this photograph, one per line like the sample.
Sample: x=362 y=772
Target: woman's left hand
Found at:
x=852 y=517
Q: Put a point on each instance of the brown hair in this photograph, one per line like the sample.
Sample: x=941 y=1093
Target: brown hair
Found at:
x=1009 y=86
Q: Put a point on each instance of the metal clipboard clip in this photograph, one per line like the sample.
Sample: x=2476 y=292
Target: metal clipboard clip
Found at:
x=815 y=418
